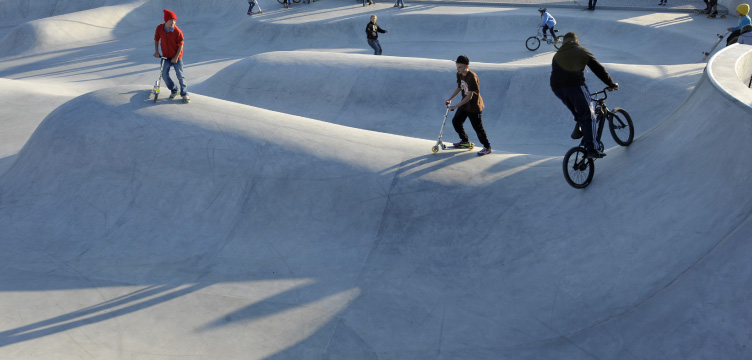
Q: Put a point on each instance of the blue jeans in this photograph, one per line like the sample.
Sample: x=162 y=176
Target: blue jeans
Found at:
x=178 y=72
x=400 y=3
x=374 y=43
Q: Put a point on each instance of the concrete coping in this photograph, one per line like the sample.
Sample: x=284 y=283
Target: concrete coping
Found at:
x=730 y=70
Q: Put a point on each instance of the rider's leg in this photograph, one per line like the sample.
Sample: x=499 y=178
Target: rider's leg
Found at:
x=553 y=33
x=458 y=122
x=545 y=28
x=577 y=100
x=477 y=121
x=166 y=75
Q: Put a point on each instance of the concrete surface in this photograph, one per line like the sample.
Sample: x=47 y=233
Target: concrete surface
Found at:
x=293 y=210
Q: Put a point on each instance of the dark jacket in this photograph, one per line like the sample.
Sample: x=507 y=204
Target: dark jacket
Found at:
x=371 y=28
x=568 y=67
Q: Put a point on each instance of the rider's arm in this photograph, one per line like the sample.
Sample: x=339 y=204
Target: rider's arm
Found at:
x=600 y=71
x=177 y=54
x=456 y=91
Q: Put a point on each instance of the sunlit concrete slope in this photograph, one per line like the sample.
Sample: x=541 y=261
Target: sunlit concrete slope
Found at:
x=405 y=96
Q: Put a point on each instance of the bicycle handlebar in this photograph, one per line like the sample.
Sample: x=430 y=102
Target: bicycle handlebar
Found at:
x=604 y=92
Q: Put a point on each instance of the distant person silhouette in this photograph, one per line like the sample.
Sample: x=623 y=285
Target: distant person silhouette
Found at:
x=170 y=38
x=591 y=4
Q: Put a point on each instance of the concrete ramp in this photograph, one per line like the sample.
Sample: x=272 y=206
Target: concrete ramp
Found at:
x=274 y=222
x=405 y=96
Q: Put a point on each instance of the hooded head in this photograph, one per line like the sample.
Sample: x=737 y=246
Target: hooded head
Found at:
x=570 y=37
x=168 y=15
x=743 y=9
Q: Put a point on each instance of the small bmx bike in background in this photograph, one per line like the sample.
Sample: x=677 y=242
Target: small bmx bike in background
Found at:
x=533 y=43
x=578 y=166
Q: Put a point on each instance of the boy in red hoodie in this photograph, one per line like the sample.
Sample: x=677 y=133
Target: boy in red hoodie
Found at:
x=169 y=36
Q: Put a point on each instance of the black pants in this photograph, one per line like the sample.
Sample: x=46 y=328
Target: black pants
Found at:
x=591 y=4
x=733 y=37
x=553 y=33
x=577 y=99
x=475 y=119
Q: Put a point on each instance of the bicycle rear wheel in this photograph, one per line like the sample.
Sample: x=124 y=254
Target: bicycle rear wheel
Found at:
x=559 y=40
x=532 y=43
x=621 y=127
x=578 y=168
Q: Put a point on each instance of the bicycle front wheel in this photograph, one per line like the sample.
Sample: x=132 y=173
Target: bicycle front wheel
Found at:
x=578 y=168
x=558 y=42
x=621 y=127
x=532 y=43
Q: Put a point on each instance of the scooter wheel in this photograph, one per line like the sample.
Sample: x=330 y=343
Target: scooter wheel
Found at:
x=435 y=149
x=471 y=147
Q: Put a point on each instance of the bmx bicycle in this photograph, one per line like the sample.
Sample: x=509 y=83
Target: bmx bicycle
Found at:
x=578 y=166
x=533 y=43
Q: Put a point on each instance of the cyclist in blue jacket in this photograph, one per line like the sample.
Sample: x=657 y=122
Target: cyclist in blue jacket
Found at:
x=547 y=23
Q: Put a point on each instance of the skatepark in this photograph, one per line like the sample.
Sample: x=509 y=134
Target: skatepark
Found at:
x=294 y=210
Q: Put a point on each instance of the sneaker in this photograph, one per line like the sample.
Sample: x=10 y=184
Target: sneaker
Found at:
x=403 y=6
x=485 y=151
x=395 y=5
x=249 y=13
x=462 y=144
x=595 y=154
x=186 y=99
x=576 y=133
x=173 y=94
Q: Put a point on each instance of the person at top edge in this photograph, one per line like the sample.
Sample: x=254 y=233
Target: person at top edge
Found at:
x=742 y=11
x=169 y=38
x=471 y=106
x=568 y=84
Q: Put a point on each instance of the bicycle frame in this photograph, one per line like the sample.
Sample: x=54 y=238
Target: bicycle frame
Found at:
x=601 y=111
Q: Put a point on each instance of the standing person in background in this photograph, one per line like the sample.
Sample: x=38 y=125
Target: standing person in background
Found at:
x=591 y=4
x=170 y=37
x=400 y=4
x=372 y=30
x=251 y=4
x=713 y=8
x=471 y=106
x=547 y=23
